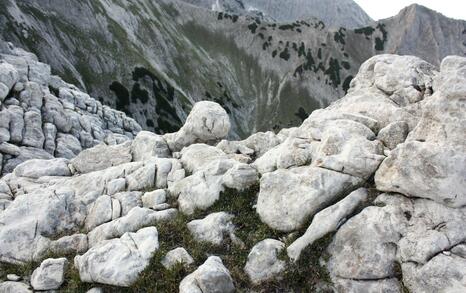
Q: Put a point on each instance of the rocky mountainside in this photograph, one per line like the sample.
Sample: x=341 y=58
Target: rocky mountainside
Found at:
x=335 y=13
x=366 y=195
x=41 y=116
x=155 y=59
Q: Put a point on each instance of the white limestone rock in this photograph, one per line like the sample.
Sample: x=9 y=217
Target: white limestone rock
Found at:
x=213 y=228
x=326 y=221
x=8 y=75
x=116 y=185
x=33 y=134
x=434 y=174
x=263 y=263
x=443 y=273
x=136 y=219
x=50 y=274
x=102 y=157
x=147 y=145
x=394 y=134
x=76 y=243
x=196 y=156
x=99 y=212
x=37 y=168
x=176 y=256
x=13 y=277
x=154 y=198
x=207 y=123
x=364 y=248
x=210 y=277
x=202 y=189
x=288 y=198
x=390 y=285
x=119 y=261
x=240 y=177
x=68 y=146
x=14 y=287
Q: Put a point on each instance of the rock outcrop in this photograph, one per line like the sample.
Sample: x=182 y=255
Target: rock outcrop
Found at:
x=42 y=117
x=381 y=172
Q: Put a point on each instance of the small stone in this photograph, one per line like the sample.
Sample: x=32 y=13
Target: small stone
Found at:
x=154 y=198
x=13 y=277
x=177 y=256
x=50 y=274
x=263 y=263
x=210 y=277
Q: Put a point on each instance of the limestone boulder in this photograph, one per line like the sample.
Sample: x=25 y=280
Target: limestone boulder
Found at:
x=210 y=277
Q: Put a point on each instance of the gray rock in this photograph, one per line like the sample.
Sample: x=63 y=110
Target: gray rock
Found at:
x=240 y=177
x=100 y=212
x=13 y=277
x=50 y=274
x=326 y=221
x=37 y=168
x=73 y=244
x=14 y=287
x=116 y=185
x=119 y=261
x=102 y=157
x=50 y=134
x=147 y=145
x=68 y=146
x=177 y=256
x=263 y=263
x=8 y=75
x=394 y=134
x=136 y=219
x=33 y=135
x=210 y=277
x=213 y=228
x=207 y=123
x=153 y=198
x=288 y=198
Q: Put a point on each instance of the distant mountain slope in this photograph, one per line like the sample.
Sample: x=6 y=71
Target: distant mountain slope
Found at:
x=154 y=59
x=336 y=13
x=430 y=35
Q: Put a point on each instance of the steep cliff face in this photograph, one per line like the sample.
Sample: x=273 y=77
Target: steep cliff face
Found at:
x=335 y=13
x=155 y=59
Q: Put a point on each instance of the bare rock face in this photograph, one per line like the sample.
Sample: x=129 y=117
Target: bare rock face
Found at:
x=437 y=143
x=43 y=116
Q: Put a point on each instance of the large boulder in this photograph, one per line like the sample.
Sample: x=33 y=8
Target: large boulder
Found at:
x=119 y=261
x=289 y=198
x=208 y=123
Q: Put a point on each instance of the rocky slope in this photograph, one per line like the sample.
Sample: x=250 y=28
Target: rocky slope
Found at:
x=190 y=212
x=155 y=59
x=41 y=116
x=335 y=13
